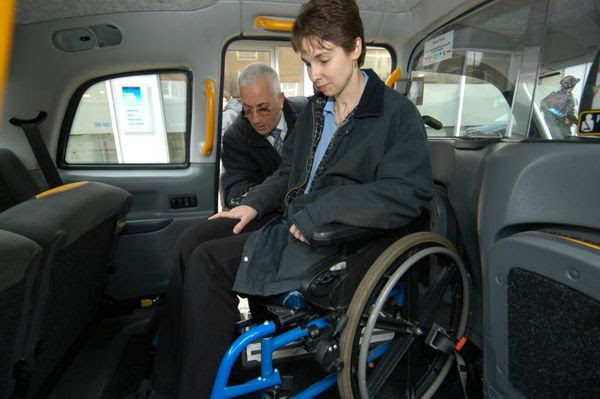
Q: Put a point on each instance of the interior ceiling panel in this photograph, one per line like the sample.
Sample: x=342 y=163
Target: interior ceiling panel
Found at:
x=370 y=5
x=31 y=11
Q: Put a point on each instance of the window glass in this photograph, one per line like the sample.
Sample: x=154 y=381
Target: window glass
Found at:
x=498 y=72
x=570 y=47
x=292 y=71
x=464 y=75
x=379 y=60
x=236 y=60
x=138 y=119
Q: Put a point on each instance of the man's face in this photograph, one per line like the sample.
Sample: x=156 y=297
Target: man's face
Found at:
x=261 y=108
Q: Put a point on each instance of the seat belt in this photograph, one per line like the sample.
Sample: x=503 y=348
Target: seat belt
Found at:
x=40 y=151
x=463 y=350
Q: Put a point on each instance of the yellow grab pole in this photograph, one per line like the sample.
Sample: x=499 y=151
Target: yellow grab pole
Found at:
x=209 y=138
x=394 y=77
x=7 y=15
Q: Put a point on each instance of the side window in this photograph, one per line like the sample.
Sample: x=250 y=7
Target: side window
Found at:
x=465 y=76
x=570 y=47
x=484 y=79
x=135 y=119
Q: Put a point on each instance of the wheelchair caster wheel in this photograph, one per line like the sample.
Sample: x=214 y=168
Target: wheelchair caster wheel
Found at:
x=415 y=283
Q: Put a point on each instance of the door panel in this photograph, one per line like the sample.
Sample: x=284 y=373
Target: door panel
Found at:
x=539 y=229
x=145 y=252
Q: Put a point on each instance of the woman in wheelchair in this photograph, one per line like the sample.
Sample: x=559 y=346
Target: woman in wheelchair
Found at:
x=358 y=161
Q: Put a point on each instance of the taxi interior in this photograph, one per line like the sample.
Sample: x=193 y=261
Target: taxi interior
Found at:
x=84 y=266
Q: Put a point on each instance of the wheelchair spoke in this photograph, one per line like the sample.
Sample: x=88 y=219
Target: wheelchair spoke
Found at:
x=386 y=365
x=435 y=293
x=418 y=280
x=397 y=325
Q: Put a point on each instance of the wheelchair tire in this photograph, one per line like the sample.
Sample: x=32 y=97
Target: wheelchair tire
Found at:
x=448 y=293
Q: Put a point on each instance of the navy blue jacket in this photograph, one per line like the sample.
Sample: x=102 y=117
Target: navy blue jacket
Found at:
x=375 y=173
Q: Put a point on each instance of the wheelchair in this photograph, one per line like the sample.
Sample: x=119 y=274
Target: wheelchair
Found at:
x=372 y=329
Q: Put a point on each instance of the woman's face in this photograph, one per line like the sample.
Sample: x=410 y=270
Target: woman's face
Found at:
x=329 y=66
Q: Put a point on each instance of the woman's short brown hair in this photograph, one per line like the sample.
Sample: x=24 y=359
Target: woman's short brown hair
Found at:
x=335 y=21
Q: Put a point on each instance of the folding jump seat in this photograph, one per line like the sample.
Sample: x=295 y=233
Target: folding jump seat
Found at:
x=19 y=263
x=75 y=224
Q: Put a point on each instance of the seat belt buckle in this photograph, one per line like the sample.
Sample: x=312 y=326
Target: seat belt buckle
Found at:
x=439 y=339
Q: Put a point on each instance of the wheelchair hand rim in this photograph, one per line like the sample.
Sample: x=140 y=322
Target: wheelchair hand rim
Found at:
x=393 y=280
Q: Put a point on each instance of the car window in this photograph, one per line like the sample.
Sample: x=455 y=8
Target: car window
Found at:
x=135 y=119
x=571 y=43
x=289 y=65
x=482 y=76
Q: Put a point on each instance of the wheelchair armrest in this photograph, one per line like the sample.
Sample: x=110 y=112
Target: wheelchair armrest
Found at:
x=336 y=233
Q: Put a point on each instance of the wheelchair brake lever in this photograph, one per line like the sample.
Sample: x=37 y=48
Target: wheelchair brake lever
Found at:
x=340 y=325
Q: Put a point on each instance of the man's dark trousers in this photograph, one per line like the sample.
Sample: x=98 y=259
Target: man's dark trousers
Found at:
x=197 y=323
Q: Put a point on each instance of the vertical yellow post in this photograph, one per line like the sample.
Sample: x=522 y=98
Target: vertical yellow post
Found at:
x=394 y=77
x=7 y=15
x=209 y=138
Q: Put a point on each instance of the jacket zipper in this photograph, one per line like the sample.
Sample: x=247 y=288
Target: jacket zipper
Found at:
x=344 y=123
x=307 y=172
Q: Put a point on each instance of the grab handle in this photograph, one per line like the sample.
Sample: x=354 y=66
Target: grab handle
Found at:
x=394 y=77
x=273 y=24
x=209 y=137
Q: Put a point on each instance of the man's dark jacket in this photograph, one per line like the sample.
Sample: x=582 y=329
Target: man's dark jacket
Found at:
x=375 y=173
x=248 y=157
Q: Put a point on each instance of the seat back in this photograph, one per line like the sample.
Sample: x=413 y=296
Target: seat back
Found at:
x=16 y=184
x=19 y=263
x=75 y=226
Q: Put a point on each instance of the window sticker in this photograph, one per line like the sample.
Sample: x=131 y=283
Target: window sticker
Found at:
x=438 y=49
x=137 y=110
x=589 y=123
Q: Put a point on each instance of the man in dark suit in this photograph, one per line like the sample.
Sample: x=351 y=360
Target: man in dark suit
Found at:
x=252 y=144
x=251 y=152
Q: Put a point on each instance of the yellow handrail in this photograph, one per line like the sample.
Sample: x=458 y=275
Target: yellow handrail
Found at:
x=394 y=77
x=273 y=24
x=7 y=15
x=209 y=138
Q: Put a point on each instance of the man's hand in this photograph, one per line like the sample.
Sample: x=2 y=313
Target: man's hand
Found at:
x=244 y=213
x=296 y=233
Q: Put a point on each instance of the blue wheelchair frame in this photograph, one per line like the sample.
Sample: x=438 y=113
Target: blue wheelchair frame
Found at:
x=270 y=377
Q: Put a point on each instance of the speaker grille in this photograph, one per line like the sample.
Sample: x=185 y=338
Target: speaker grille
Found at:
x=553 y=338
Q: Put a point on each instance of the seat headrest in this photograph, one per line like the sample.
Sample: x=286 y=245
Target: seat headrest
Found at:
x=16 y=183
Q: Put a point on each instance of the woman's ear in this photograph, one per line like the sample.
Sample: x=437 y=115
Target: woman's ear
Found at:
x=357 y=49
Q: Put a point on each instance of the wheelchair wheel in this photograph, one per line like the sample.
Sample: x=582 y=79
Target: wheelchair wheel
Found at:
x=416 y=282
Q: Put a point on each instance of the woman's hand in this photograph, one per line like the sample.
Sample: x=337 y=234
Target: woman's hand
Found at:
x=244 y=213
x=296 y=233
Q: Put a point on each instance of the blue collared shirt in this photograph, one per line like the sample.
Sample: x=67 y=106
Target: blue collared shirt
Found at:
x=329 y=129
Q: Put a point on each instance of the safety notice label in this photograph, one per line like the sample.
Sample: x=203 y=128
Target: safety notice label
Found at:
x=438 y=49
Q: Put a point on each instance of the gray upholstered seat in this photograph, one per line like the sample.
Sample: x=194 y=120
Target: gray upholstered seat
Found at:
x=19 y=263
x=75 y=226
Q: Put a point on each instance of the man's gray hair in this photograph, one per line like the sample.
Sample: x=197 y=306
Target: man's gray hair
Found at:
x=253 y=72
